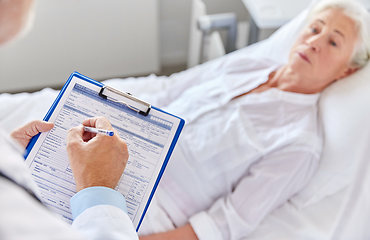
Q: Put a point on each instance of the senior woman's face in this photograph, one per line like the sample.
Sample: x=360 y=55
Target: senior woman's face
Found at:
x=323 y=50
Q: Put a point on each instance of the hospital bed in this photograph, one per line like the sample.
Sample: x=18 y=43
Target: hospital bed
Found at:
x=336 y=203
x=205 y=41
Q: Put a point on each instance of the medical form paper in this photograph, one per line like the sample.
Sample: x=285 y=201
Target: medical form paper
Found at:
x=150 y=140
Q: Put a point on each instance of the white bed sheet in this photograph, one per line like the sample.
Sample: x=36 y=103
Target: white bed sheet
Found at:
x=18 y=109
x=338 y=210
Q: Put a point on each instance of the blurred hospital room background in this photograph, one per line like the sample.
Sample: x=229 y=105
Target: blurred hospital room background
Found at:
x=123 y=38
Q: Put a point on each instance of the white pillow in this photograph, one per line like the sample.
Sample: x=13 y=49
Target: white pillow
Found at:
x=345 y=115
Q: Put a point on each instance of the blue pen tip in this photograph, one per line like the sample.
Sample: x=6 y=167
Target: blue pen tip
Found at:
x=111 y=133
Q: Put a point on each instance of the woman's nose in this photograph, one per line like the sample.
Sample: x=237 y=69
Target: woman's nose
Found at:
x=315 y=42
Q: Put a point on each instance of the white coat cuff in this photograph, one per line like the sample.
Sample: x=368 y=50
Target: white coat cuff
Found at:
x=204 y=227
x=93 y=196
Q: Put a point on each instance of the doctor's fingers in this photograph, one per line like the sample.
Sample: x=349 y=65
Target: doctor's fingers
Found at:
x=97 y=122
x=26 y=132
x=110 y=143
x=100 y=123
x=33 y=128
x=75 y=138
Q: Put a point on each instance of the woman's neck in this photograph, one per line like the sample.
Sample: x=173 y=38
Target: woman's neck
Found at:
x=287 y=80
x=283 y=79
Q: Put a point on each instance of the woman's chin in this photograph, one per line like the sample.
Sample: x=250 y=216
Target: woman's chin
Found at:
x=300 y=67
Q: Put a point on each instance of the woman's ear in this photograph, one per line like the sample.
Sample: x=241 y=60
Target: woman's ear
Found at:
x=348 y=71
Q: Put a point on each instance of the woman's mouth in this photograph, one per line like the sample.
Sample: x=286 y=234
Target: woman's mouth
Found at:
x=304 y=57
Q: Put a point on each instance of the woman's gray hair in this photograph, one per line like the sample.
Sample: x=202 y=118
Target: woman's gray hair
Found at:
x=355 y=11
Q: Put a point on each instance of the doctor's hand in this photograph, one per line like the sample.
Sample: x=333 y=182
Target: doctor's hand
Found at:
x=96 y=159
x=24 y=134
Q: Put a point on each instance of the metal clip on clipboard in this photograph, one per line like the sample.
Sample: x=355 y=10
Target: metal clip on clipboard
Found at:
x=132 y=102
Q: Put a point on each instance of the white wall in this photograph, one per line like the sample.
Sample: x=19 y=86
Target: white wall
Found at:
x=174 y=31
x=118 y=37
x=101 y=39
x=174 y=25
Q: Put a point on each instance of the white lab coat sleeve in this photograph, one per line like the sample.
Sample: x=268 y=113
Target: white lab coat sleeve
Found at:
x=269 y=183
x=101 y=213
x=105 y=222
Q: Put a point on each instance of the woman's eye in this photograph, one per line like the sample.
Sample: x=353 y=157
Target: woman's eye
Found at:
x=333 y=43
x=314 y=30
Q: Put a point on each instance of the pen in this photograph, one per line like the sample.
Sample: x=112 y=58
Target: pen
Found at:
x=99 y=131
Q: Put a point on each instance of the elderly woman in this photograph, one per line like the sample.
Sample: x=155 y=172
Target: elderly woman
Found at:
x=252 y=138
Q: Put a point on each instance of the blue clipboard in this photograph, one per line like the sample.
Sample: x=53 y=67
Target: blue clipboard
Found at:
x=144 y=113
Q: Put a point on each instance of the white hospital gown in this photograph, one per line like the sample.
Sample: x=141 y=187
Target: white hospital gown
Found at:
x=236 y=160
